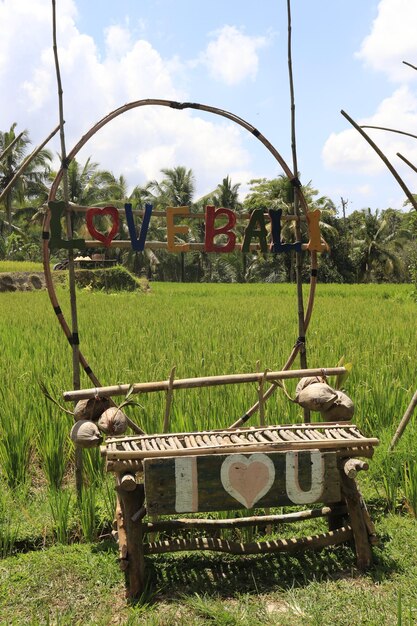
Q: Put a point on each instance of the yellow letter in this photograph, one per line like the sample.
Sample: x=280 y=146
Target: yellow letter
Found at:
x=173 y=230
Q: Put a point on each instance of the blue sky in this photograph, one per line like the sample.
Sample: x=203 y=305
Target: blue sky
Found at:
x=231 y=55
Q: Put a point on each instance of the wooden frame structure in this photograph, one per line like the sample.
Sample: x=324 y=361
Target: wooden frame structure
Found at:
x=313 y=464
x=238 y=468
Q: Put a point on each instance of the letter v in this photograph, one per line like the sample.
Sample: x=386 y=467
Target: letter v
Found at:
x=138 y=244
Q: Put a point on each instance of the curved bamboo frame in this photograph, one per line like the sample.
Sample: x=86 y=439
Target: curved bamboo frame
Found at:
x=179 y=106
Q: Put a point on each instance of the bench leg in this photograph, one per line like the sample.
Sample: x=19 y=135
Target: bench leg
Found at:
x=357 y=521
x=131 y=502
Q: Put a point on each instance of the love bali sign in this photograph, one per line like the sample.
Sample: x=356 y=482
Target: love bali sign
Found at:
x=219 y=233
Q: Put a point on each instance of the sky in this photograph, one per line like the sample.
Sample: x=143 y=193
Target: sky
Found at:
x=347 y=55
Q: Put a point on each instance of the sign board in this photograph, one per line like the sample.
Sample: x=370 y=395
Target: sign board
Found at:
x=203 y=483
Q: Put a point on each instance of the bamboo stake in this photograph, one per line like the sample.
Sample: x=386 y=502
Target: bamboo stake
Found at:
x=191 y=383
x=26 y=162
x=71 y=272
x=384 y=159
x=406 y=418
x=168 y=402
x=261 y=396
x=296 y=187
x=413 y=167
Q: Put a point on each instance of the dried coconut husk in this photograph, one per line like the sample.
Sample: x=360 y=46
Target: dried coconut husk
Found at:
x=113 y=421
x=91 y=409
x=308 y=380
x=316 y=397
x=86 y=434
x=342 y=409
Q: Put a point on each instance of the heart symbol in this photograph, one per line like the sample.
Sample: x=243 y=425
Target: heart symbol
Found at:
x=107 y=210
x=247 y=479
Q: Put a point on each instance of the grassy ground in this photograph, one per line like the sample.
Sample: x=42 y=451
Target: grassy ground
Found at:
x=202 y=329
x=81 y=584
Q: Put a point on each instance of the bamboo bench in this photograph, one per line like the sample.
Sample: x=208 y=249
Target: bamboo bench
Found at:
x=293 y=465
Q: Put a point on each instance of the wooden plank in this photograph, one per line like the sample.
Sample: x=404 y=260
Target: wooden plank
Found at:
x=208 y=482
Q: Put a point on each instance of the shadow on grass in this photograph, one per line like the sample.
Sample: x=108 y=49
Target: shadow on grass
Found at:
x=228 y=576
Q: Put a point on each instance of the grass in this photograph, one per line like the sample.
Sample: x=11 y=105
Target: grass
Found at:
x=20 y=266
x=202 y=330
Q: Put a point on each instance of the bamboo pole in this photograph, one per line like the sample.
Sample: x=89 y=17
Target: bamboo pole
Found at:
x=168 y=402
x=296 y=187
x=190 y=383
x=26 y=162
x=384 y=159
x=406 y=418
x=71 y=272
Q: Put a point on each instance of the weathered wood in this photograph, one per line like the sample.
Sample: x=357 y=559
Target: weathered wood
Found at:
x=244 y=448
x=357 y=521
x=228 y=482
x=205 y=381
x=131 y=502
x=352 y=466
x=128 y=482
x=242 y=522
x=315 y=542
x=121 y=536
x=136 y=465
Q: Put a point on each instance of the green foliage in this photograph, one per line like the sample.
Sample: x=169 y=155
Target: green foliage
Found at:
x=111 y=279
x=60 y=504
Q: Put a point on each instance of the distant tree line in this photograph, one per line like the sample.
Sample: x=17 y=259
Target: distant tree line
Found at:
x=365 y=246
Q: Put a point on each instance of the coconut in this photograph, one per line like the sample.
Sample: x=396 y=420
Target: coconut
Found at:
x=316 y=397
x=306 y=381
x=342 y=409
x=86 y=434
x=113 y=421
x=91 y=409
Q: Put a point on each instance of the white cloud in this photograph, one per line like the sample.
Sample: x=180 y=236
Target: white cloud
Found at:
x=348 y=150
x=392 y=40
x=233 y=56
x=139 y=143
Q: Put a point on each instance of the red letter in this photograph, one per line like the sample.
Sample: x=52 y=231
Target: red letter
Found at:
x=211 y=214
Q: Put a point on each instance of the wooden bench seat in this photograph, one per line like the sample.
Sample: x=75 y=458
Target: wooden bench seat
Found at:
x=248 y=468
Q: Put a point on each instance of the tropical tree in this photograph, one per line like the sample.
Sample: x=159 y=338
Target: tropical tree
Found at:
x=376 y=246
x=30 y=186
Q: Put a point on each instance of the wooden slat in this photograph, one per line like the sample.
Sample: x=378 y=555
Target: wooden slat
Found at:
x=315 y=542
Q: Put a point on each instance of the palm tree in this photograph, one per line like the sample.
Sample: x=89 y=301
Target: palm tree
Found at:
x=31 y=183
x=377 y=246
x=175 y=189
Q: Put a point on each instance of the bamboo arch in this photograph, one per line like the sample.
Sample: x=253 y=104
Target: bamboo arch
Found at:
x=178 y=106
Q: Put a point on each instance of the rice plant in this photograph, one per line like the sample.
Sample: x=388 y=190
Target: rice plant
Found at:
x=87 y=514
x=8 y=527
x=60 y=505
x=53 y=445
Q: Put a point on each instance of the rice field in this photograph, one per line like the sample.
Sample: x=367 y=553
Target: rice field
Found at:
x=201 y=330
